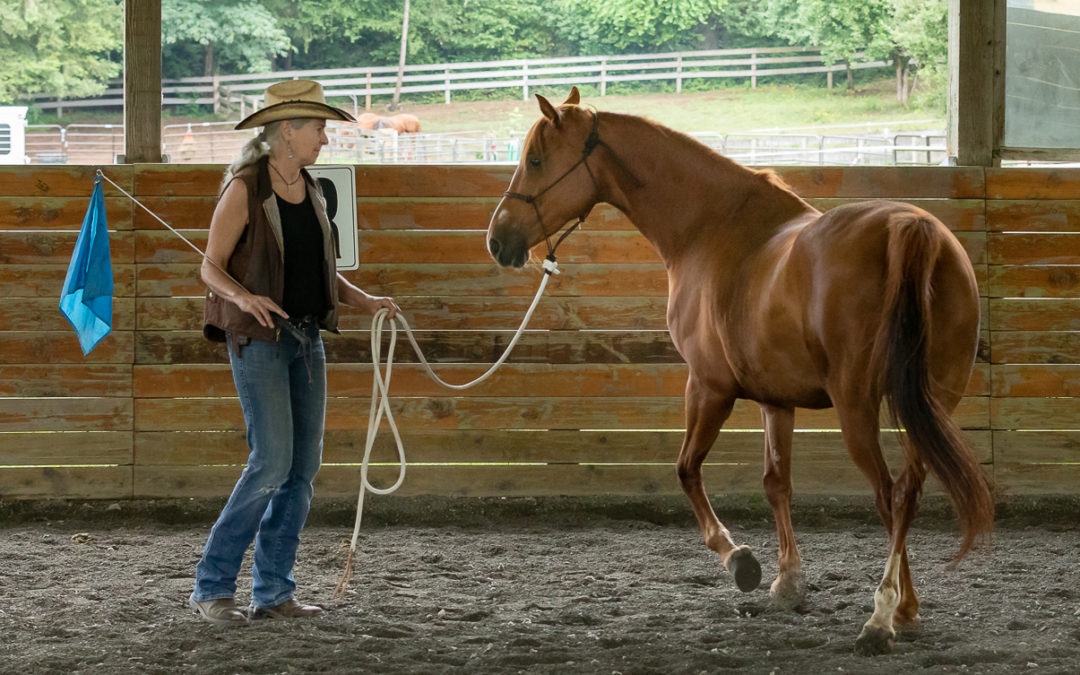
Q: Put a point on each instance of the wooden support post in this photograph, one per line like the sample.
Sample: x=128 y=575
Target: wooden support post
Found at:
x=367 y=96
x=142 y=81
x=753 y=70
x=976 y=104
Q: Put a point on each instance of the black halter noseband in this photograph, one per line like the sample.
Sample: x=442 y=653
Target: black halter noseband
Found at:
x=591 y=142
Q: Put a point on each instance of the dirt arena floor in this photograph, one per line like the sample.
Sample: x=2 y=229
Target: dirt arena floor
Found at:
x=535 y=586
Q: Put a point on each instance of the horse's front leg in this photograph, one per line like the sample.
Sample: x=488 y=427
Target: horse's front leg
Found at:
x=788 y=589
x=706 y=412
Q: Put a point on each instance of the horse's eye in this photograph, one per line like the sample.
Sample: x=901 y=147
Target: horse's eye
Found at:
x=534 y=161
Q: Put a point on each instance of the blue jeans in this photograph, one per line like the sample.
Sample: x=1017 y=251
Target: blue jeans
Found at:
x=282 y=388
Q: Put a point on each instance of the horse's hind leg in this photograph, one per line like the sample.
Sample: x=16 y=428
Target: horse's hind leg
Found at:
x=878 y=633
x=706 y=412
x=788 y=589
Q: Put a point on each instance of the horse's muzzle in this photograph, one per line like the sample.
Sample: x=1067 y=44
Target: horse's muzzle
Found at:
x=508 y=247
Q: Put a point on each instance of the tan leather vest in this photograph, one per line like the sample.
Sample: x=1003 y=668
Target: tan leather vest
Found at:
x=258 y=261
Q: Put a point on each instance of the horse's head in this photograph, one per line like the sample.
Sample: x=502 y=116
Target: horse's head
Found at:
x=552 y=185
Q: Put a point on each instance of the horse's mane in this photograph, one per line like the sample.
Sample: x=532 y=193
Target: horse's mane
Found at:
x=694 y=147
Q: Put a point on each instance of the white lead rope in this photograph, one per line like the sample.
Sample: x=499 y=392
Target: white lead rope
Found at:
x=380 y=398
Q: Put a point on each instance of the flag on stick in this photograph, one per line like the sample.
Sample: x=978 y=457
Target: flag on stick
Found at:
x=86 y=300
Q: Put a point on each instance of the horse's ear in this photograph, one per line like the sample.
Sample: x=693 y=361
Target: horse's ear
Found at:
x=548 y=110
x=574 y=98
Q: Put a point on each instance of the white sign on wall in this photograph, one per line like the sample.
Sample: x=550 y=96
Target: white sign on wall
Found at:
x=339 y=188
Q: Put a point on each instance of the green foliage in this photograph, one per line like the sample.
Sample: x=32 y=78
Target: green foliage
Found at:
x=61 y=48
x=920 y=28
x=651 y=25
x=235 y=36
x=840 y=27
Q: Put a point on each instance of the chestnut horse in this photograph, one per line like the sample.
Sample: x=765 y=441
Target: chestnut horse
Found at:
x=403 y=123
x=772 y=301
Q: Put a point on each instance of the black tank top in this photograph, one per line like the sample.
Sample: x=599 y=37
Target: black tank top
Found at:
x=305 y=292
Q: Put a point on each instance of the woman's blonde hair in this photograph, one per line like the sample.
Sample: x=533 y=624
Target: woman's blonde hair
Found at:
x=258 y=147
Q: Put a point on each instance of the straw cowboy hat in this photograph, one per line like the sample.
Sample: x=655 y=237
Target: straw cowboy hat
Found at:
x=294 y=99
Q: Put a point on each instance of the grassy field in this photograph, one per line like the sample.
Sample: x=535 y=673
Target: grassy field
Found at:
x=723 y=111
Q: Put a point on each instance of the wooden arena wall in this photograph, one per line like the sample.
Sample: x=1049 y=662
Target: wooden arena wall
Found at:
x=589 y=404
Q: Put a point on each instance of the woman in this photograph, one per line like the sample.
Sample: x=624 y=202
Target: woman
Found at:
x=271 y=233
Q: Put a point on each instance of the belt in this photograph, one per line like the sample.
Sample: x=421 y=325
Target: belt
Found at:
x=304 y=321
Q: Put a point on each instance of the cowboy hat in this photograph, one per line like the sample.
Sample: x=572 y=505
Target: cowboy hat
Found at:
x=293 y=99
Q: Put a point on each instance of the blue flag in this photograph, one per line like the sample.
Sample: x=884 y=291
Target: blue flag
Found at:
x=86 y=300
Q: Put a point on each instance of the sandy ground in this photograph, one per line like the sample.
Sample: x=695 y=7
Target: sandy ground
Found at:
x=535 y=586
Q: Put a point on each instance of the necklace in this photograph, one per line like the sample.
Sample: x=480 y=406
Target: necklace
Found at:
x=283 y=180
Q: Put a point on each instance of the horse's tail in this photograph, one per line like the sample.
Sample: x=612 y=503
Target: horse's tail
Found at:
x=899 y=366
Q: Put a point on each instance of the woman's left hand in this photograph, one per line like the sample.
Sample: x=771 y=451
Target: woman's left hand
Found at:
x=375 y=303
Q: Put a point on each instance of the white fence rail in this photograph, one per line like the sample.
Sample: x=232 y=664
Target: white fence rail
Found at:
x=242 y=91
x=218 y=143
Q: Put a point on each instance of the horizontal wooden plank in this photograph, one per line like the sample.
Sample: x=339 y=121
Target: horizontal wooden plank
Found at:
x=1032 y=183
x=1034 y=314
x=38 y=314
x=29 y=281
x=67 y=180
x=1037 y=447
x=1035 y=413
x=431 y=413
x=474 y=213
x=1035 y=347
x=38 y=347
x=22 y=380
x=1056 y=215
x=65 y=414
x=404 y=279
x=347 y=446
x=60 y=213
x=834 y=478
x=1038 y=248
x=408 y=181
x=450 y=313
x=98 y=482
x=353 y=346
x=412 y=380
x=19 y=247
x=65 y=448
x=1040 y=281
x=1037 y=479
x=1031 y=380
x=424 y=247
x=466 y=247
x=522 y=380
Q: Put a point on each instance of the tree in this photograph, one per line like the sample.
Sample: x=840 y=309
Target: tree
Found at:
x=920 y=31
x=240 y=34
x=841 y=28
x=651 y=25
x=61 y=48
x=401 y=58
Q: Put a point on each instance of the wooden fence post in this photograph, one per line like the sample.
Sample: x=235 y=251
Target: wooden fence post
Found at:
x=525 y=82
x=678 y=75
x=367 y=95
x=217 y=96
x=603 y=77
x=753 y=70
x=447 y=86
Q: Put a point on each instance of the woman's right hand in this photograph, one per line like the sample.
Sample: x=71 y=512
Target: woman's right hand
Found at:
x=260 y=307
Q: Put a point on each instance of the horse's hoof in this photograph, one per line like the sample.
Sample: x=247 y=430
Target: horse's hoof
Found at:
x=745 y=568
x=874 y=641
x=788 y=591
